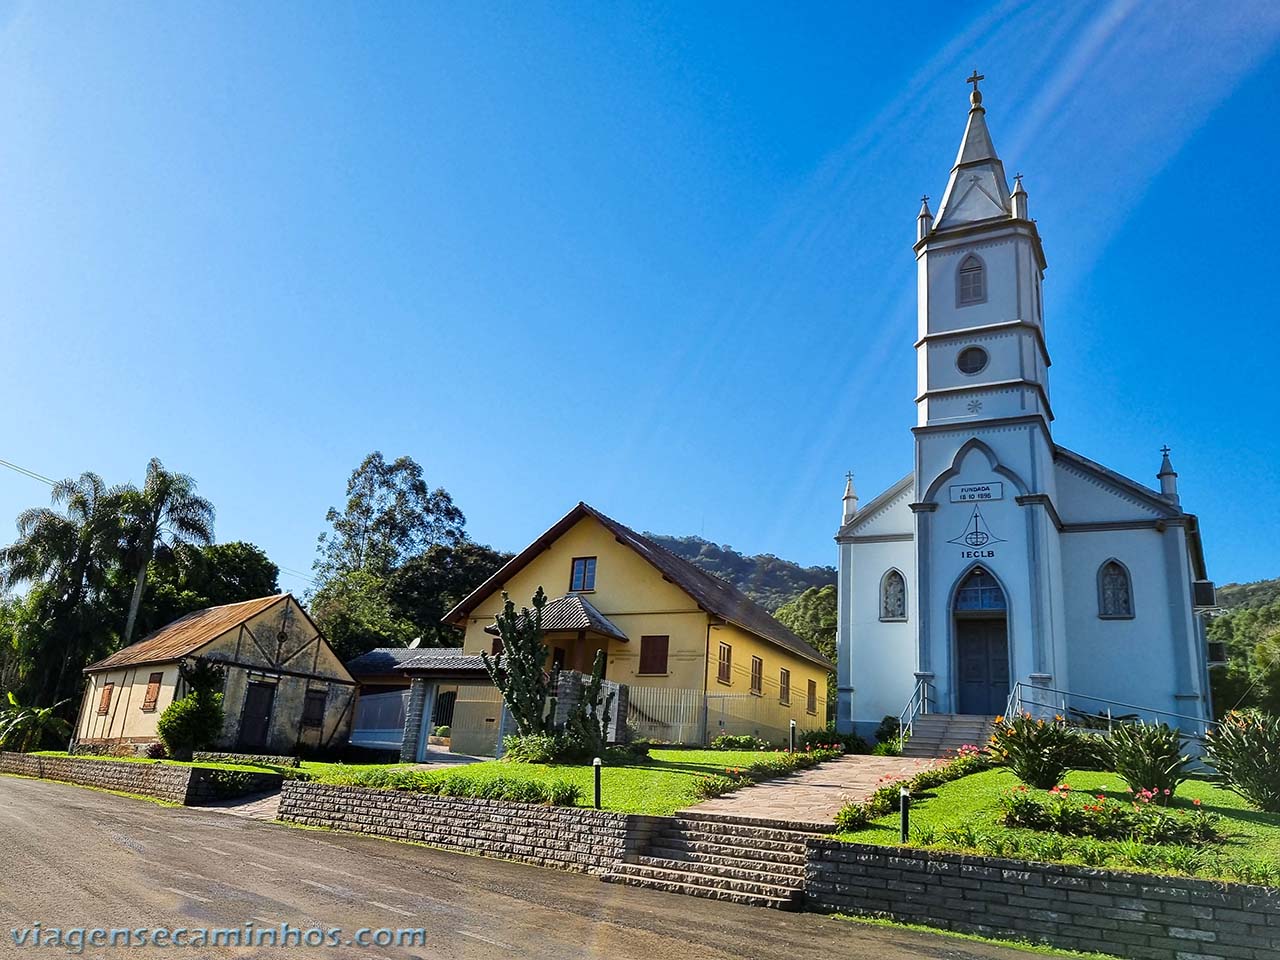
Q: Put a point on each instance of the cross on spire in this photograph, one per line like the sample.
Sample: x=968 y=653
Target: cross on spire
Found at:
x=849 y=475
x=974 y=80
x=1165 y=450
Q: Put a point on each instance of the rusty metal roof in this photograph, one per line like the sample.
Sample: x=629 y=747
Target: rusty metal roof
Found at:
x=186 y=634
x=574 y=613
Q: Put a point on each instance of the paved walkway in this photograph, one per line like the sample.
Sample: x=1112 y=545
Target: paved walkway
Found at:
x=813 y=796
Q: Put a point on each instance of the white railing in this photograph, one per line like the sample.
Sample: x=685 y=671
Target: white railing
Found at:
x=1097 y=713
x=917 y=706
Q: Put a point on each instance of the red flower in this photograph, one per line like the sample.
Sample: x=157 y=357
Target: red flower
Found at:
x=1196 y=801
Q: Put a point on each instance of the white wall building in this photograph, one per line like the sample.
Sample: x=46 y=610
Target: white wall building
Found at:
x=1002 y=557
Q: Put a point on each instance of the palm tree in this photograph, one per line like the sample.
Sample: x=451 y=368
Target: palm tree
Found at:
x=161 y=517
x=23 y=728
x=70 y=551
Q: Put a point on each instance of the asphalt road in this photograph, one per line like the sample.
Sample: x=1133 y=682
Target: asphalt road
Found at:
x=76 y=858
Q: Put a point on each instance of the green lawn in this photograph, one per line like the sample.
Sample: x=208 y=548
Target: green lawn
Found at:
x=971 y=804
x=659 y=786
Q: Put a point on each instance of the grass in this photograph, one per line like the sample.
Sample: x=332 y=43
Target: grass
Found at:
x=659 y=786
x=250 y=768
x=971 y=802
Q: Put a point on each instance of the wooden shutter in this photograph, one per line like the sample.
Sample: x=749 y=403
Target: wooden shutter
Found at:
x=784 y=686
x=812 y=705
x=313 y=708
x=757 y=675
x=104 y=702
x=724 y=673
x=153 y=691
x=653 y=654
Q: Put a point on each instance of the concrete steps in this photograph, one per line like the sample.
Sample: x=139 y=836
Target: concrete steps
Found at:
x=721 y=858
x=942 y=734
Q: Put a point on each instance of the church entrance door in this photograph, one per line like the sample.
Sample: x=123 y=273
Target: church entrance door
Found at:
x=982 y=645
x=983 y=655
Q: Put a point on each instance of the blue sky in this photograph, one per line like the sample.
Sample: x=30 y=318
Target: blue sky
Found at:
x=657 y=257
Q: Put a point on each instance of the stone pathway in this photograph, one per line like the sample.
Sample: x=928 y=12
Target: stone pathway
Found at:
x=812 y=796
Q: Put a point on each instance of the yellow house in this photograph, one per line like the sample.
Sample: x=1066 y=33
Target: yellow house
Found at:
x=668 y=629
x=285 y=688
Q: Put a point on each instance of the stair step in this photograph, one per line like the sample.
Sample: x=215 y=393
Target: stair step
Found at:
x=734 y=828
x=779 y=874
x=758 y=844
x=788 y=902
x=676 y=875
x=684 y=848
x=789 y=826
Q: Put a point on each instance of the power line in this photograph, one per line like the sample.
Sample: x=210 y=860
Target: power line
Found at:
x=28 y=473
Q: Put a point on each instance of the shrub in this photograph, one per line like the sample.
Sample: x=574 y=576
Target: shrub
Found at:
x=851 y=742
x=557 y=792
x=713 y=785
x=890 y=729
x=735 y=741
x=156 y=751
x=443 y=731
x=1245 y=751
x=1037 y=751
x=887 y=748
x=887 y=797
x=1149 y=757
x=1104 y=818
x=533 y=748
x=189 y=724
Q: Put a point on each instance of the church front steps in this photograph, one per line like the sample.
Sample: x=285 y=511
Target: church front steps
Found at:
x=721 y=859
x=943 y=734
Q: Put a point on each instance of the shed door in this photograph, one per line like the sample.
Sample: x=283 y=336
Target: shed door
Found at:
x=255 y=721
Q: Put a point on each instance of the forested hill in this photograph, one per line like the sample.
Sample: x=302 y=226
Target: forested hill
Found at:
x=1235 y=596
x=766 y=579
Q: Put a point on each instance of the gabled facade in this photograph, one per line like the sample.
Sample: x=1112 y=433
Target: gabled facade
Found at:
x=1004 y=557
x=285 y=689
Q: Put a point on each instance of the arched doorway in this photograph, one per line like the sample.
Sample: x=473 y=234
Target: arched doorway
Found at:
x=982 y=644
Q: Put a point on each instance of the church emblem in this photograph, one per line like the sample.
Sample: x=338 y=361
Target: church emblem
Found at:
x=976 y=533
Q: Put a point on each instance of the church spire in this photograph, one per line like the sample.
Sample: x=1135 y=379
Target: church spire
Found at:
x=850 y=498
x=978 y=189
x=1168 y=477
x=924 y=220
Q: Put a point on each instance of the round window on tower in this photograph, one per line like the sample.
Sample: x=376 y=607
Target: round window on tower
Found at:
x=972 y=360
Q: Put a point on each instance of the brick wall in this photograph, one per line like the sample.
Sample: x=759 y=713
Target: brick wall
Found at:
x=571 y=838
x=186 y=785
x=1134 y=915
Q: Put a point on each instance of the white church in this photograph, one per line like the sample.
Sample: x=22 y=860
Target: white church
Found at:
x=1006 y=570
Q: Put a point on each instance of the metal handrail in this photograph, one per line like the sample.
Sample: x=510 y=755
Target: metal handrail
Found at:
x=1018 y=700
x=916 y=706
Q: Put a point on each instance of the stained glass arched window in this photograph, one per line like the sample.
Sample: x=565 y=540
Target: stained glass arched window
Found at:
x=980 y=591
x=893 y=596
x=1115 y=591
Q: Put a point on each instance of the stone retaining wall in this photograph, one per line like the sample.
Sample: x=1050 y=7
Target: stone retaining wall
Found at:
x=571 y=838
x=1134 y=915
x=190 y=786
x=260 y=759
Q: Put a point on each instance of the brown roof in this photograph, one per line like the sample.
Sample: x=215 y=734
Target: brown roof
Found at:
x=186 y=634
x=715 y=596
x=574 y=613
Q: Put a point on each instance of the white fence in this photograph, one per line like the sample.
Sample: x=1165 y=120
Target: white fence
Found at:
x=691 y=716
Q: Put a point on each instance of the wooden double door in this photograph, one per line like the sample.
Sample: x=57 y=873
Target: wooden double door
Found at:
x=982 y=655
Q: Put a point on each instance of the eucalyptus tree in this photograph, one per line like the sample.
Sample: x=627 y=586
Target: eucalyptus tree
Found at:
x=165 y=515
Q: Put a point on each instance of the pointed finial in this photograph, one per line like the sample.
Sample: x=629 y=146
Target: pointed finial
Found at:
x=850 y=498
x=1167 y=476
x=976 y=97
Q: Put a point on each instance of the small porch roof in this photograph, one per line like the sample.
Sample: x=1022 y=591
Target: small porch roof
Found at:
x=574 y=613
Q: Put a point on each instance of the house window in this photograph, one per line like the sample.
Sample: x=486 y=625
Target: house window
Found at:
x=972 y=282
x=104 y=702
x=153 y=692
x=811 y=698
x=1115 y=592
x=653 y=654
x=757 y=676
x=784 y=686
x=583 y=577
x=313 y=708
x=893 y=596
x=972 y=360
x=558 y=655
x=724 y=671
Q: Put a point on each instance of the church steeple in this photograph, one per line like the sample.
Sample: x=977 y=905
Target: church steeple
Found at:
x=978 y=189
x=1168 y=477
x=850 y=502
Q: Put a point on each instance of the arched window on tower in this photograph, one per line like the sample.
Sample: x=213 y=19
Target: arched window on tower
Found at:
x=893 y=596
x=1115 y=591
x=971 y=286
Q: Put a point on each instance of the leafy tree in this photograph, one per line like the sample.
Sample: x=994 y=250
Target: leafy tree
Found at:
x=391 y=514
x=164 y=515
x=28 y=728
x=199 y=577
x=432 y=583
x=67 y=551
x=520 y=673
x=356 y=614
x=1251 y=677
x=194 y=721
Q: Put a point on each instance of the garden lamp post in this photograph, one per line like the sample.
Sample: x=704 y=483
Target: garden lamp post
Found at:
x=904 y=803
x=596 y=764
x=792 y=737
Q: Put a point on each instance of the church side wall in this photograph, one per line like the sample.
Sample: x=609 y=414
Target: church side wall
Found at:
x=881 y=655
x=1128 y=660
